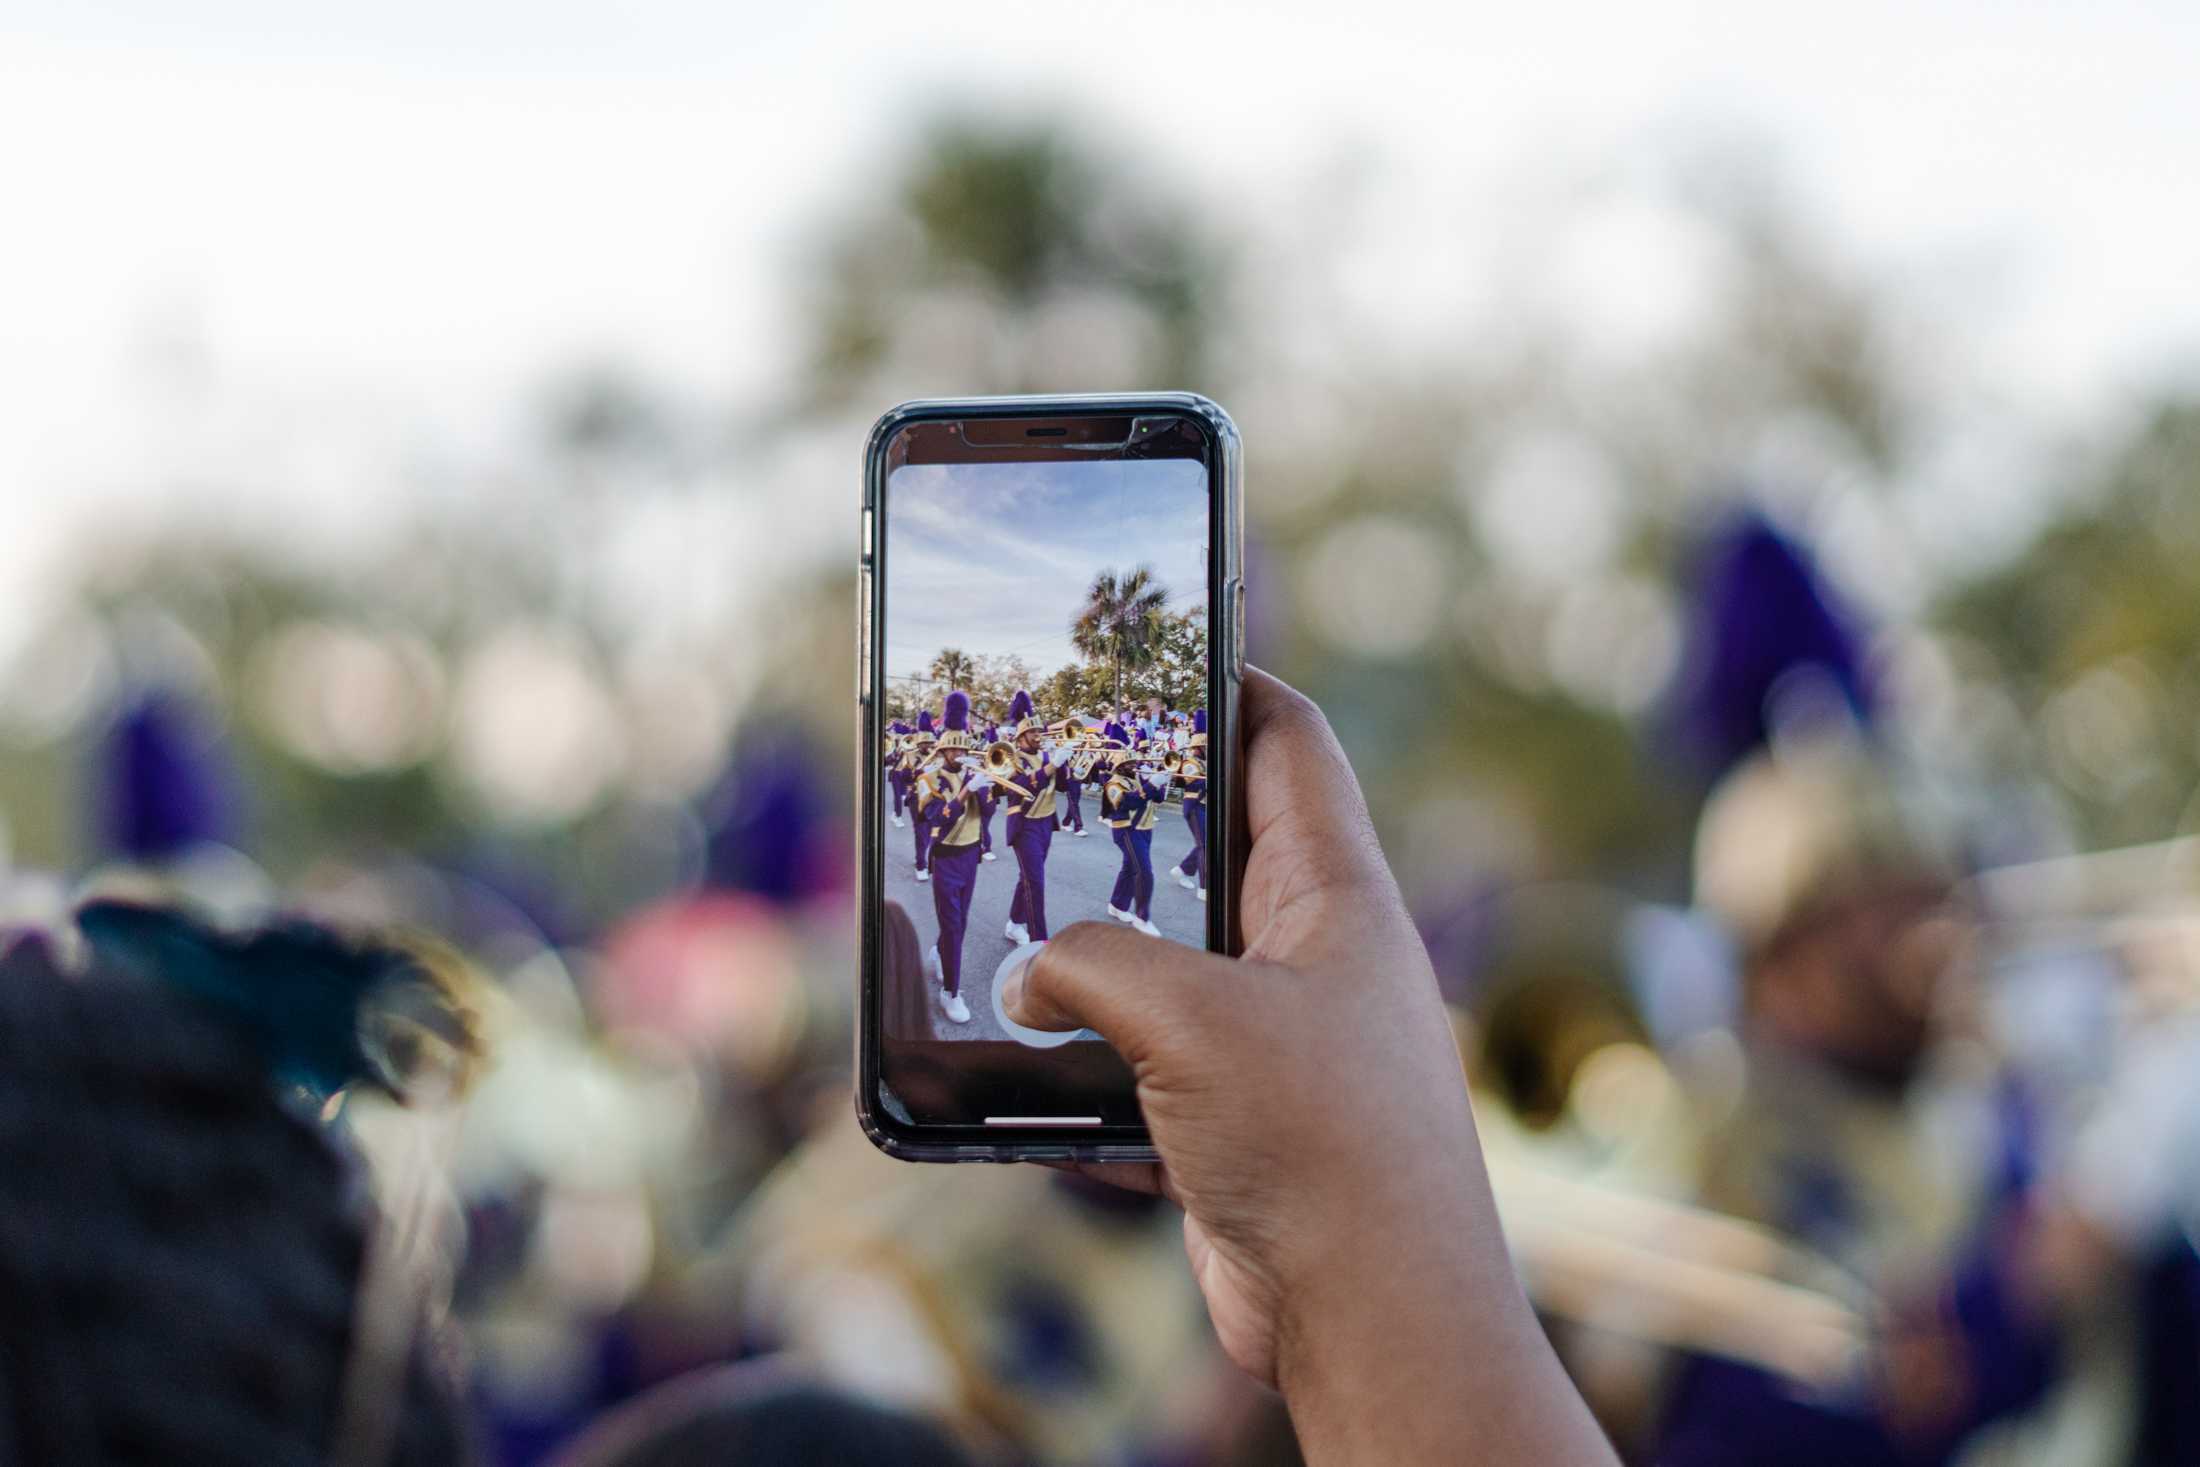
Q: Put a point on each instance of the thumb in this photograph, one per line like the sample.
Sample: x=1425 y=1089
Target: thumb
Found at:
x=1131 y=989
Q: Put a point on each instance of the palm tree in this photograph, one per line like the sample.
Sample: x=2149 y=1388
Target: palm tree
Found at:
x=1120 y=622
x=954 y=667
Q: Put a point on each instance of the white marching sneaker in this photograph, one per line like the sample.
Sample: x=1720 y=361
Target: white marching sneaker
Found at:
x=1203 y=893
x=1120 y=915
x=897 y=822
x=987 y=856
x=1146 y=927
x=1082 y=833
x=1182 y=880
x=923 y=875
x=1017 y=933
x=957 y=1010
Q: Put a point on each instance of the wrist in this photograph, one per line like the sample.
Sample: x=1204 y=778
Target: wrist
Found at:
x=1403 y=1339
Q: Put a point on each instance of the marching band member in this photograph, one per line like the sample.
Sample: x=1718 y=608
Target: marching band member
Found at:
x=1191 y=872
x=1127 y=804
x=916 y=752
x=1072 y=819
x=948 y=800
x=895 y=779
x=1030 y=793
x=986 y=802
x=986 y=739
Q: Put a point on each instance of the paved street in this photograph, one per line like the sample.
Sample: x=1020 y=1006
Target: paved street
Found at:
x=1080 y=874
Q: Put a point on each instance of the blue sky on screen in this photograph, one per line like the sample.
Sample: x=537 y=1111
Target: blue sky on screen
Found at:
x=995 y=558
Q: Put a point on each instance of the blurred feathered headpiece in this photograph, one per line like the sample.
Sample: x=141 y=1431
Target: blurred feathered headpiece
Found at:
x=163 y=783
x=325 y=1010
x=1761 y=615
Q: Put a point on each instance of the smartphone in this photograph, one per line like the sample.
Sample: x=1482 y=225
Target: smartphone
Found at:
x=1050 y=644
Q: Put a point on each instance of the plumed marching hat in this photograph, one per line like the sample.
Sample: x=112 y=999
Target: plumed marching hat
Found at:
x=924 y=720
x=956 y=716
x=1020 y=720
x=1199 y=728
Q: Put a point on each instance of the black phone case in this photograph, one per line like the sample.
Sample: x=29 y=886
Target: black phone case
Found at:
x=1226 y=753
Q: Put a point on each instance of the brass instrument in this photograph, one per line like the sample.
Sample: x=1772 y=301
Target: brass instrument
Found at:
x=1080 y=764
x=1002 y=761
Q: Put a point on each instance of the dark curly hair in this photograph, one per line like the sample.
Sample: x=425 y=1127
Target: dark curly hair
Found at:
x=180 y=1253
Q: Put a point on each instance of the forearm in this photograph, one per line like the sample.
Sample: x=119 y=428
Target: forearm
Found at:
x=1407 y=1353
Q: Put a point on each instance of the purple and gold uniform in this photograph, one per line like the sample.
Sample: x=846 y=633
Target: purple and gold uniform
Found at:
x=1192 y=777
x=1030 y=794
x=988 y=799
x=916 y=750
x=948 y=809
x=1072 y=809
x=896 y=780
x=1127 y=805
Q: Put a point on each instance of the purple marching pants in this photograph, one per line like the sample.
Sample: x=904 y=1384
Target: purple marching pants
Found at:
x=1073 y=796
x=954 y=878
x=1195 y=865
x=1030 y=840
x=923 y=832
x=1134 y=882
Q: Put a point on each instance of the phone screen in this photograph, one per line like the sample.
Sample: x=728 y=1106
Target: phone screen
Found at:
x=1045 y=669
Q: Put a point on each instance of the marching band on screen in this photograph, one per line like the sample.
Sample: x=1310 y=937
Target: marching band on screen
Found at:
x=947 y=780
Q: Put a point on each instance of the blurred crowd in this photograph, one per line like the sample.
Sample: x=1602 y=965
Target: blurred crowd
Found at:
x=1816 y=894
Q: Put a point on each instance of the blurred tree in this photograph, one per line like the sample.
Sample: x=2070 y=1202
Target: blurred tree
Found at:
x=1121 y=621
x=2092 y=630
x=1013 y=258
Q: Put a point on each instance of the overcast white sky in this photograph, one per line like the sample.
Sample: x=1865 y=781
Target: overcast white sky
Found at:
x=995 y=558
x=375 y=226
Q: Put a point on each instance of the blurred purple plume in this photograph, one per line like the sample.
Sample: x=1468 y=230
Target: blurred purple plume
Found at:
x=772 y=830
x=1760 y=613
x=162 y=781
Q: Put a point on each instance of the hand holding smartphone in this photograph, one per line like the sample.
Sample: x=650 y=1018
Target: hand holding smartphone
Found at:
x=1093 y=543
